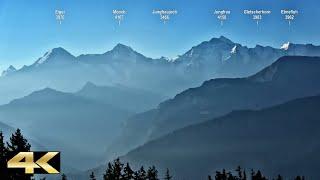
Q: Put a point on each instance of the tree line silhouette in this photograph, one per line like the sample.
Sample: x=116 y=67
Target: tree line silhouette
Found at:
x=115 y=170
x=242 y=175
x=119 y=171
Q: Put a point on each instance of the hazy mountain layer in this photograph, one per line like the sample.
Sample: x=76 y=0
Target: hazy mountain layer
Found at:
x=131 y=99
x=78 y=127
x=286 y=79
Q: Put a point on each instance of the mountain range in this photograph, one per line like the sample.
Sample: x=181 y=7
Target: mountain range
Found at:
x=288 y=78
x=218 y=57
x=100 y=106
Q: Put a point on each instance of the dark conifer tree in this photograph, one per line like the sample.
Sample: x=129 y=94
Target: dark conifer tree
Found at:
x=209 y=177
x=252 y=174
x=258 y=176
x=239 y=170
x=140 y=174
x=223 y=176
x=127 y=172
x=230 y=176
x=152 y=173
x=114 y=170
x=279 y=177
x=92 y=176
x=218 y=175
x=3 y=158
x=18 y=144
x=117 y=169
x=109 y=173
x=136 y=175
x=169 y=177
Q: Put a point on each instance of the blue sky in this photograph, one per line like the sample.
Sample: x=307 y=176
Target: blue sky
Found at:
x=28 y=28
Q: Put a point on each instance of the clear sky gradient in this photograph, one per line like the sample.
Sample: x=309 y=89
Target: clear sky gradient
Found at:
x=28 y=28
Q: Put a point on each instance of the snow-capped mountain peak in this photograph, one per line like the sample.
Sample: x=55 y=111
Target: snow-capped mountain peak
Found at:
x=224 y=39
x=9 y=70
x=55 y=54
x=121 y=48
x=285 y=46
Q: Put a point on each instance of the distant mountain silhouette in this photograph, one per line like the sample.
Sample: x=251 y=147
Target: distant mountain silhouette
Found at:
x=8 y=71
x=56 y=55
x=221 y=57
x=131 y=99
x=66 y=122
x=281 y=139
x=218 y=57
x=286 y=79
x=119 y=54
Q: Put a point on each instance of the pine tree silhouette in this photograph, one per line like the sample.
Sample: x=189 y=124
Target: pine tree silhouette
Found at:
x=168 y=176
x=117 y=169
x=257 y=176
x=92 y=176
x=218 y=175
x=3 y=158
x=127 y=172
x=239 y=172
x=136 y=176
x=231 y=177
x=109 y=173
x=209 y=177
x=18 y=144
x=140 y=174
x=224 y=175
x=152 y=173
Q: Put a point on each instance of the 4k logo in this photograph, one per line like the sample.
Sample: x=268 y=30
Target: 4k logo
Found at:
x=36 y=162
